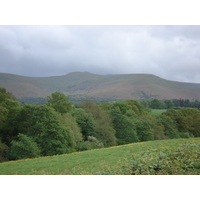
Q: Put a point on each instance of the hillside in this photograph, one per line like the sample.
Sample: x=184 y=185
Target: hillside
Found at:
x=87 y=85
x=115 y=160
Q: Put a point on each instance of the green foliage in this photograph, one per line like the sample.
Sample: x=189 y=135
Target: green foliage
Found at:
x=187 y=120
x=104 y=130
x=24 y=147
x=158 y=128
x=91 y=143
x=144 y=127
x=5 y=95
x=3 y=115
x=8 y=109
x=113 y=161
x=3 y=151
x=137 y=107
x=59 y=128
x=169 y=104
x=42 y=124
x=59 y=102
x=125 y=127
x=192 y=117
x=145 y=103
x=124 y=107
x=85 y=121
x=184 y=160
x=74 y=130
x=170 y=126
x=32 y=100
x=156 y=104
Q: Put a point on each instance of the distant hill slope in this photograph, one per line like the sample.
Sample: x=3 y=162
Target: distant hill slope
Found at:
x=87 y=85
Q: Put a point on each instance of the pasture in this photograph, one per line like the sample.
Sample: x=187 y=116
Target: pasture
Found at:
x=157 y=111
x=135 y=158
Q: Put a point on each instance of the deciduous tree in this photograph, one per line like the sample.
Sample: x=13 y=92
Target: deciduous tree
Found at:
x=59 y=102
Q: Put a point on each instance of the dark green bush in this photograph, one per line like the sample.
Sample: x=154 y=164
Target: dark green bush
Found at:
x=22 y=148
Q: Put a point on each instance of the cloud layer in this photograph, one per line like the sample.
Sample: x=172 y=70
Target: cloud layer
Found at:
x=171 y=52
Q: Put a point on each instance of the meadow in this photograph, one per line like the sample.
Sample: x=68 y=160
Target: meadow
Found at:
x=175 y=156
x=157 y=111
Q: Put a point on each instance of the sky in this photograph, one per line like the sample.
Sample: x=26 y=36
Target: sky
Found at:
x=168 y=51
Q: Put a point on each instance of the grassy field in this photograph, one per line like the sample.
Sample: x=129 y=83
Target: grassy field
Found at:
x=114 y=160
x=157 y=111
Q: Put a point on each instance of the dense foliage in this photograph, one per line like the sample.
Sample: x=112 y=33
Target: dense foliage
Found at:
x=59 y=126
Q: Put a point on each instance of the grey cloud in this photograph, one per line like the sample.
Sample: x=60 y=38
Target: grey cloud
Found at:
x=171 y=52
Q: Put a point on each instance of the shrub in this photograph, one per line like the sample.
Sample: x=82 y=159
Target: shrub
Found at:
x=186 y=135
x=24 y=147
x=91 y=143
x=184 y=160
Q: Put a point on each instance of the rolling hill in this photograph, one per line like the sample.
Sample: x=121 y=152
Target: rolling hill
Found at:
x=87 y=85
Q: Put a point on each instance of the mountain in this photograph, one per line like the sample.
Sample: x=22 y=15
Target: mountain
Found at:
x=87 y=85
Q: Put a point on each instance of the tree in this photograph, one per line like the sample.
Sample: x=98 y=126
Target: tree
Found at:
x=5 y=95
x=3 y=115
x=144 y=127
x=124 y=107
x=192 y=119
x=137 y=107
x=42 y=124
x=124 y=126
x=8 y=109
x=3 y=151
x=24 y=147
x=59 y=102
x=170 y=126
x=145 y=103
x=104 y=130
x=169 y=104
x=85 y=121
x=156 y=104
x=182 y=118
x=74 y=130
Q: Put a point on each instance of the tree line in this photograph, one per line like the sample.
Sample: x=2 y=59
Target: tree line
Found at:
x=153 y=104
x=60 y=126
x=174 y=103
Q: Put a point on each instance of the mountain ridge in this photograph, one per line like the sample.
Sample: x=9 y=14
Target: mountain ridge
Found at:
x=89 y=85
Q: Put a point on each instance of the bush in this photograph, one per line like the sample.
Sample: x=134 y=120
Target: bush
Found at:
x=91 y=143
x=184 y=160
x=22 y=148
x=186 y=135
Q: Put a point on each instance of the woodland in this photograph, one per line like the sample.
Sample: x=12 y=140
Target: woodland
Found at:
x=59 y=126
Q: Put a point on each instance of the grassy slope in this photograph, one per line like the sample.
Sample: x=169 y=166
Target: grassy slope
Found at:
x=124 y=86
x=87 y=162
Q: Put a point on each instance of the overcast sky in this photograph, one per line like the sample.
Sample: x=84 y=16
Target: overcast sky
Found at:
x=171 y=52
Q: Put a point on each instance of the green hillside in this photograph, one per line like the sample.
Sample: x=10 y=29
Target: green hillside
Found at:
x=175 y=156
x=87 y=85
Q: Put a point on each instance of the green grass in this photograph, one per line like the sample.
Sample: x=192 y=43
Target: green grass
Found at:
x=157 y=111
x=101 y=161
